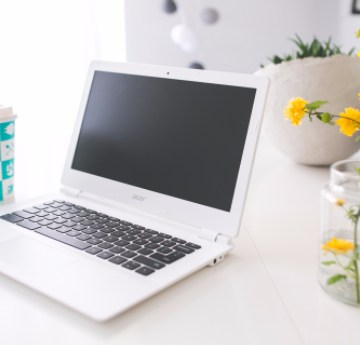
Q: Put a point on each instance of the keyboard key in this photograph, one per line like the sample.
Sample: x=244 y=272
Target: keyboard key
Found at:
x=193 y=245
x=105 y=245
x=112 y=224
x=105 y=255
x=97 y=226
x=42 y=214
x=164 y=235
x=164 y=250
x=99 y=234
x=141 y=241
x=108 y=230
x=60 y=220
x=149 y=262
x=87 y=231
x=152 y=232
x=73 y=233
x=64 y=208
x=110 y=238
x=133 y=232
x=145 y=271
x=12 y=218
x=93 y=250
x=122 y=243
x=92 y=217
x=69 y=223
x=50 y=217
x=117 y=260
x=167 y=259
x=54 y=226
x=32 y=210
x=79 y=227
x=50 y=209
x=116 y=250
x=36 y=219
x=45 y=222
x=138 y=227
x=83 y=237
x=144 y=235
x=68 y=215
x=156 y=239
x=76 y=219
x=168 y=243
x=117 y=233
x=145 y=251
x=63 y=238
x=28 y=224
x=24 y=214
x=58 y=213
x=178 y=240
x=93 y=241
x=56 y=204
x=152 y=245
x=41 y=206
x=183 y=249
x=128 y=254
x=130 y=265
x=87 y=222
x=129 y=238
x=102 y=221
x=63 y=229
x=133 y=247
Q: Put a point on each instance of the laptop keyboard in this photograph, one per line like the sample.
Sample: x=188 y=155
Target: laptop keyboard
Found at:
x=132 y=246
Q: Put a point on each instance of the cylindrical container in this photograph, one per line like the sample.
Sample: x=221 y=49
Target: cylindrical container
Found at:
x=339 y=263
x=7 y=146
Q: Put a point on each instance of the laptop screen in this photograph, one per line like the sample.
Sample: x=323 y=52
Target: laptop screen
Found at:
x=180 y=138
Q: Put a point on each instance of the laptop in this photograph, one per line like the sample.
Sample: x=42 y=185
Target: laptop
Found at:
x=153 y=187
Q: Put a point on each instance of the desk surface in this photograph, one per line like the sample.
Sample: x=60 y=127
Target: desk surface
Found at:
x=264 y=292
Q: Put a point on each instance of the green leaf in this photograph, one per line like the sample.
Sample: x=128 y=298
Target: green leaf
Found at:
x=334 y=279
x=357 y=170
x=357 y=138
x=326 y=117
x=328 y=263
x=315 y=105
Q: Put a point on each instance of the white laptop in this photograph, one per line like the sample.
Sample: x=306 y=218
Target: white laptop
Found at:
x=153 y=187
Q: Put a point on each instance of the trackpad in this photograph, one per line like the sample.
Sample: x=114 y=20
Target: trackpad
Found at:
x=33 y=257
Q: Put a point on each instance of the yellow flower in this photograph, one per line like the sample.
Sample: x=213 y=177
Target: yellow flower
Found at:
x=357 y=33
x=295 y=110
x=340 y=202
x=358 y=54
x=349 y=122
x=338 y=246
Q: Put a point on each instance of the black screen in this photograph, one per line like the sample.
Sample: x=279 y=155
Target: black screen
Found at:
x=180 y=138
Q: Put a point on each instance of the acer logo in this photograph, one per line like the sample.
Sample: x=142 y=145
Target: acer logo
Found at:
x=138 y=197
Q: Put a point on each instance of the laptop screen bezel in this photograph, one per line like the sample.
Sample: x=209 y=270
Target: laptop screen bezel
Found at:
x=160 y=205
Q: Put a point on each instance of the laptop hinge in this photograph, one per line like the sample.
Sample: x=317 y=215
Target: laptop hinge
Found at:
x=213 y=236
x=71 y=192
x=208 y=235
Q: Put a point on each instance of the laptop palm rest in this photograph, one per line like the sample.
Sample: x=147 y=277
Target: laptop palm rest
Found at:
x=33 y=257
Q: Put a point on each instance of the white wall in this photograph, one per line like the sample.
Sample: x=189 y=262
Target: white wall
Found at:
x=349 y=24
x=248 y=31
x=45 y=50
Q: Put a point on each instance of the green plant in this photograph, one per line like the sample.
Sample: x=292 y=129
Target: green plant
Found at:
x=315 y=48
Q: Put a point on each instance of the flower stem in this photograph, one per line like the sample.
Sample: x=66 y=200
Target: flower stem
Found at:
x=336 y=116
x=355 y=260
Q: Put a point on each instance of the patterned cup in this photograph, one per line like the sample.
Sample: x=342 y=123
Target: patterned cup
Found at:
x=7 y=134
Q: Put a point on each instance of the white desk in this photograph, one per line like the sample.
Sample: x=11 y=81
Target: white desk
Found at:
x=265 y=292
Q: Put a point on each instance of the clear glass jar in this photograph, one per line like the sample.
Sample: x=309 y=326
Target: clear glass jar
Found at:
x=339 y=249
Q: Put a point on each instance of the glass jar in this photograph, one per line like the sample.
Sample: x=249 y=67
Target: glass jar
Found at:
x=339 y=249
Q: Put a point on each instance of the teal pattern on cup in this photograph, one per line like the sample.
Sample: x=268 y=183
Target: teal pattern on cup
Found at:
x=7 y=133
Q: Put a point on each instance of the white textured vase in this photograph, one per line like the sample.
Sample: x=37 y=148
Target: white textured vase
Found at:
x=335 y=79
